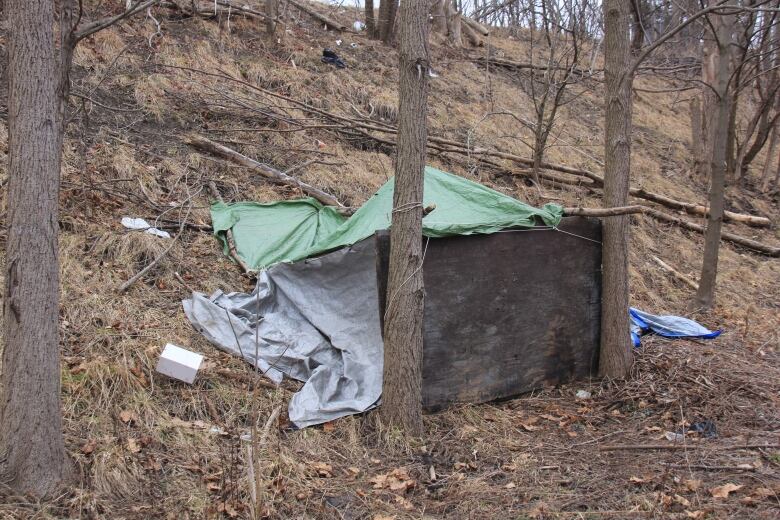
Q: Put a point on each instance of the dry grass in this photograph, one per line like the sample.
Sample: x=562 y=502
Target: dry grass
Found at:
x=148 y=447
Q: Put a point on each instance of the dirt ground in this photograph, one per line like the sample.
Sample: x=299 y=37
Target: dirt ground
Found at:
x=144 y=446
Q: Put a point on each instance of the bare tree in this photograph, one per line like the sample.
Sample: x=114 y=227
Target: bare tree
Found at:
x=32 y=452
x=705 y=295
x=615 y=353
x=402 y=386
x=561 y=31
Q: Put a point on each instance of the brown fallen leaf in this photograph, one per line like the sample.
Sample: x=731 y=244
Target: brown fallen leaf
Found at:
x=89 y=447
x=133 y=446
x=692 y=484
x=378 y=481
x=401 y=501
x=695 y=515
x=724 y=490
x=128 y=417
x=323 y=469
x=511 y=485
x=639 y=480
x=679 y=499
x=353 y=472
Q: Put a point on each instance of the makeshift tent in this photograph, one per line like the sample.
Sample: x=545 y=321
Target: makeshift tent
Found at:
x=314 y=316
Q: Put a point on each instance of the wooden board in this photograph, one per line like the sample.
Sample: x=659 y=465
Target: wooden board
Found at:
x=507 y=313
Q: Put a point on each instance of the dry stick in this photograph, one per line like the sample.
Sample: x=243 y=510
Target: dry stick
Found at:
x=602 y=212
x=329 y=22
x=125 y=286
x=674 y=272
x=695 y=209
x=630 y=447
x=229 y=234
x=768 y=250
x=709 y=468
x=266 y=171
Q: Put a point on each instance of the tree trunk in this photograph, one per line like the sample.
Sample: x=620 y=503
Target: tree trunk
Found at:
x=271 y=12
x=695 y=130
x=439 y=15
x=402 y=387
x=454 y=35
x=731 y=140
x=616 y=356
x=705 y=296
x=370 y=27
x=708 y=106
x=770 y=154
x=32 y=452
x=387 y=10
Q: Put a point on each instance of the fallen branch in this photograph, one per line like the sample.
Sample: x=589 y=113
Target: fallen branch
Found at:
x=695 y=209
x=768 y=250
x=630 y=447
x=602 y=212
x=674 y=272
x=329 y=22
x=266 y=171
x=229 y=234
x=475 y=26
x=730 y=237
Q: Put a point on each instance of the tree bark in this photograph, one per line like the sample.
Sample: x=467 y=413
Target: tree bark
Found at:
x=387 y=11
x=770 y=154
x=370 y=26
x=402 y=387
x=695 y=130
x=708 y=107
x=32 y=452
x=705 y=296
x=615 y=353
x=271 y=12
x=439 y=15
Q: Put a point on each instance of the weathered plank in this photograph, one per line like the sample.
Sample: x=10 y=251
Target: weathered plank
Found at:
x=507 y=313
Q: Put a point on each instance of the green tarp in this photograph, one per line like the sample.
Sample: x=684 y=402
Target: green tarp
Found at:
x=287 y=231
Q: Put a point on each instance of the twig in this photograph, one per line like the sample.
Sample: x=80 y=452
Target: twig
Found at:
x=677 y=274
x=125 y=286
x=709 y=468
x=632 y=447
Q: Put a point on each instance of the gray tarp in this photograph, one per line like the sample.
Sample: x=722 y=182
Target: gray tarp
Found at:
x=318 y=323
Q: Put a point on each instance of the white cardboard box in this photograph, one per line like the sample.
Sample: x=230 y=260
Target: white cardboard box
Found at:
x=179 y=363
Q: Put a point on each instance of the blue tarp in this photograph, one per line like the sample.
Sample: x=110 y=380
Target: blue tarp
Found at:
x=667 y=326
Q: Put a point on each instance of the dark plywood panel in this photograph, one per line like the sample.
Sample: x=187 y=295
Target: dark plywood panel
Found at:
x=507 y=313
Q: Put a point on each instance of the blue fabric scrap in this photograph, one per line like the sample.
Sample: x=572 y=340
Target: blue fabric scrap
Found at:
x=667 y=326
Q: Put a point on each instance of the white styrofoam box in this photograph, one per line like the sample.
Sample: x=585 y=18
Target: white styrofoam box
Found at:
x=179 y=363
